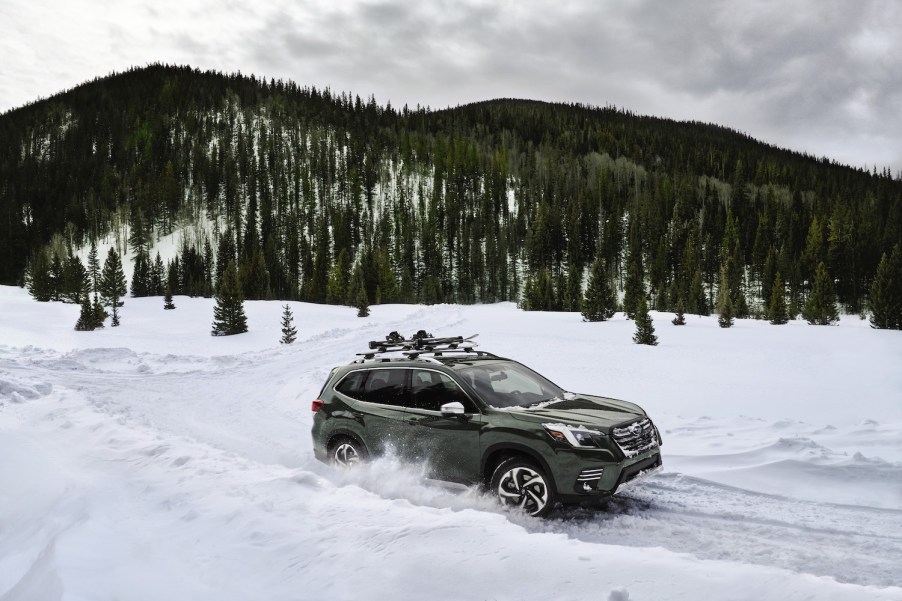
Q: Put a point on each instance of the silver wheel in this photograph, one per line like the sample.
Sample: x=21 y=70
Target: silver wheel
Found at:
x=347 y=453
x=522 y=485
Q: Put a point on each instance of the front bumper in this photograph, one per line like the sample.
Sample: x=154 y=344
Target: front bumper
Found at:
x=600 y=480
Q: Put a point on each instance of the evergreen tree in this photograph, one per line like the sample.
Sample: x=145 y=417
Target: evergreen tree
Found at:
x=142 y=278
x=75 y=280
x=886 y=292
x=599 y=303
x=645 y=329
x=336 y=288
x=56 y=278
x=776 y=310
x=112 y=284
x=679 y=319
x=228 y=314
x=167 y=299
x=254 y=276
x=573 y=295
x=37 y=278
x=768 y=274
x=634 y=288
x=94 y=267
x=820 y=308
x=289 y=332
x=538 y=292
x=86 y=319
x=386 y=281
x=724 y=302
x=156 y=276
x=698 y=300
x=100 y=313
x=363 y=303
x=732 y=276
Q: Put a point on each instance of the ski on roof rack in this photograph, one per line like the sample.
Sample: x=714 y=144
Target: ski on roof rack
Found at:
x=420 y=341
x=419 y=344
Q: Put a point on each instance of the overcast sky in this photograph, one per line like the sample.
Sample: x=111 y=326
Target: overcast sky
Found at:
x=819 y=76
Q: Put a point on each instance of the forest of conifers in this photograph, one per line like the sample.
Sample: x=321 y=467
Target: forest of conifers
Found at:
x=317 y=195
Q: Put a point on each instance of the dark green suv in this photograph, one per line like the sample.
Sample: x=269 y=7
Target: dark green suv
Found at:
x=476 y=418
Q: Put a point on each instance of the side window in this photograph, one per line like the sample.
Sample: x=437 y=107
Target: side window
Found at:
x=352 y=385
x=384 y=386
x=431 y=389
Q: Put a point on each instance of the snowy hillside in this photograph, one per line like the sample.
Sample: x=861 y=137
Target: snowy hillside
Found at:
x=154 y=461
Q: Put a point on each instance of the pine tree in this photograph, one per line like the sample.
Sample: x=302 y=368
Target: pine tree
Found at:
x=156 y=276
x=645 y=330
x=363 y=303
x=599 y=302
x=732 y=275
x=680 y=319
x=776 y=310
x=572 y=297
x=56 y=278
x=75 y=280
x=112 y=284
x=724 y=302
x=886 y=292
x=167 y=299
x=289 y=332
x=698 y=302
x=94 y=267
x=254 y=276
x=37 y=278
x=100 y=313
x=86 y=320
x=339 y=274
x=633 y=289
x=228 y=315
x=141 y=284
x=820 y=308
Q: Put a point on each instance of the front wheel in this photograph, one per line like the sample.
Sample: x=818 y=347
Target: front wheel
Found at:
x=346 y=452
x=520 y=483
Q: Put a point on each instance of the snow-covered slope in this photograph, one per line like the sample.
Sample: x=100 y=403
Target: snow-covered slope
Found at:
x=153 y=461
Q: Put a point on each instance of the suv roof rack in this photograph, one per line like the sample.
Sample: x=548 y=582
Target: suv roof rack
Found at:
x=421 y=346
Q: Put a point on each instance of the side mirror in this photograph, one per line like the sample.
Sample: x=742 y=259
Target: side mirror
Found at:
x=455 y=408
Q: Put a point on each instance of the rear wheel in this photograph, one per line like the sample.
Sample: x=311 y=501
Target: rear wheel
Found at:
x=346 y=452
x=521 y=483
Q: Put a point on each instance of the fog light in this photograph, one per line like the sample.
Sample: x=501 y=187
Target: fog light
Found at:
x=589 y=478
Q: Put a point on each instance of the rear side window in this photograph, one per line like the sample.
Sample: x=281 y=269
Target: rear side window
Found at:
x=383 y=386
x=352 y=384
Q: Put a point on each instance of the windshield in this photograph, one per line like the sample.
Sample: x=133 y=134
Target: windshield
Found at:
x=504 y=385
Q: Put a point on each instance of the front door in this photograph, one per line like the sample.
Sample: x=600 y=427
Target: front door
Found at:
x=449 y=444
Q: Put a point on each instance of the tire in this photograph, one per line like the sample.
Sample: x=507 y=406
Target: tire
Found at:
x=346 y=452
x=521 y=483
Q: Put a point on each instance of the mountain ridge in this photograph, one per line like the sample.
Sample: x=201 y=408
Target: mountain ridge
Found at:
x=481 y=202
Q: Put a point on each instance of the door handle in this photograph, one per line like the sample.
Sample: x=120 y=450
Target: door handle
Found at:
x=413 y=421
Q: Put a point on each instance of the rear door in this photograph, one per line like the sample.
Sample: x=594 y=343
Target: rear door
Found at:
x=379 y=409
x=448 y=444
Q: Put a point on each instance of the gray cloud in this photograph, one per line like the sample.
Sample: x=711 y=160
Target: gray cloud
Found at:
x=816 y=76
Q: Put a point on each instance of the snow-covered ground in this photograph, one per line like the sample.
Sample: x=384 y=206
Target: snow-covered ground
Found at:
x=154 y=461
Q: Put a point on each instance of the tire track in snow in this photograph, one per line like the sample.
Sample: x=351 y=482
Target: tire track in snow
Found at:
x=713 y=521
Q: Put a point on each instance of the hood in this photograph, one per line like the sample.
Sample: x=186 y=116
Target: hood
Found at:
x=580 y=409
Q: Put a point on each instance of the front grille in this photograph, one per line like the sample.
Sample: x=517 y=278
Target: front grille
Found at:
x=636 y=437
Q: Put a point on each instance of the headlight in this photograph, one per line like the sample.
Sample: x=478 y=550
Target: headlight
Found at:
x=577 y=436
